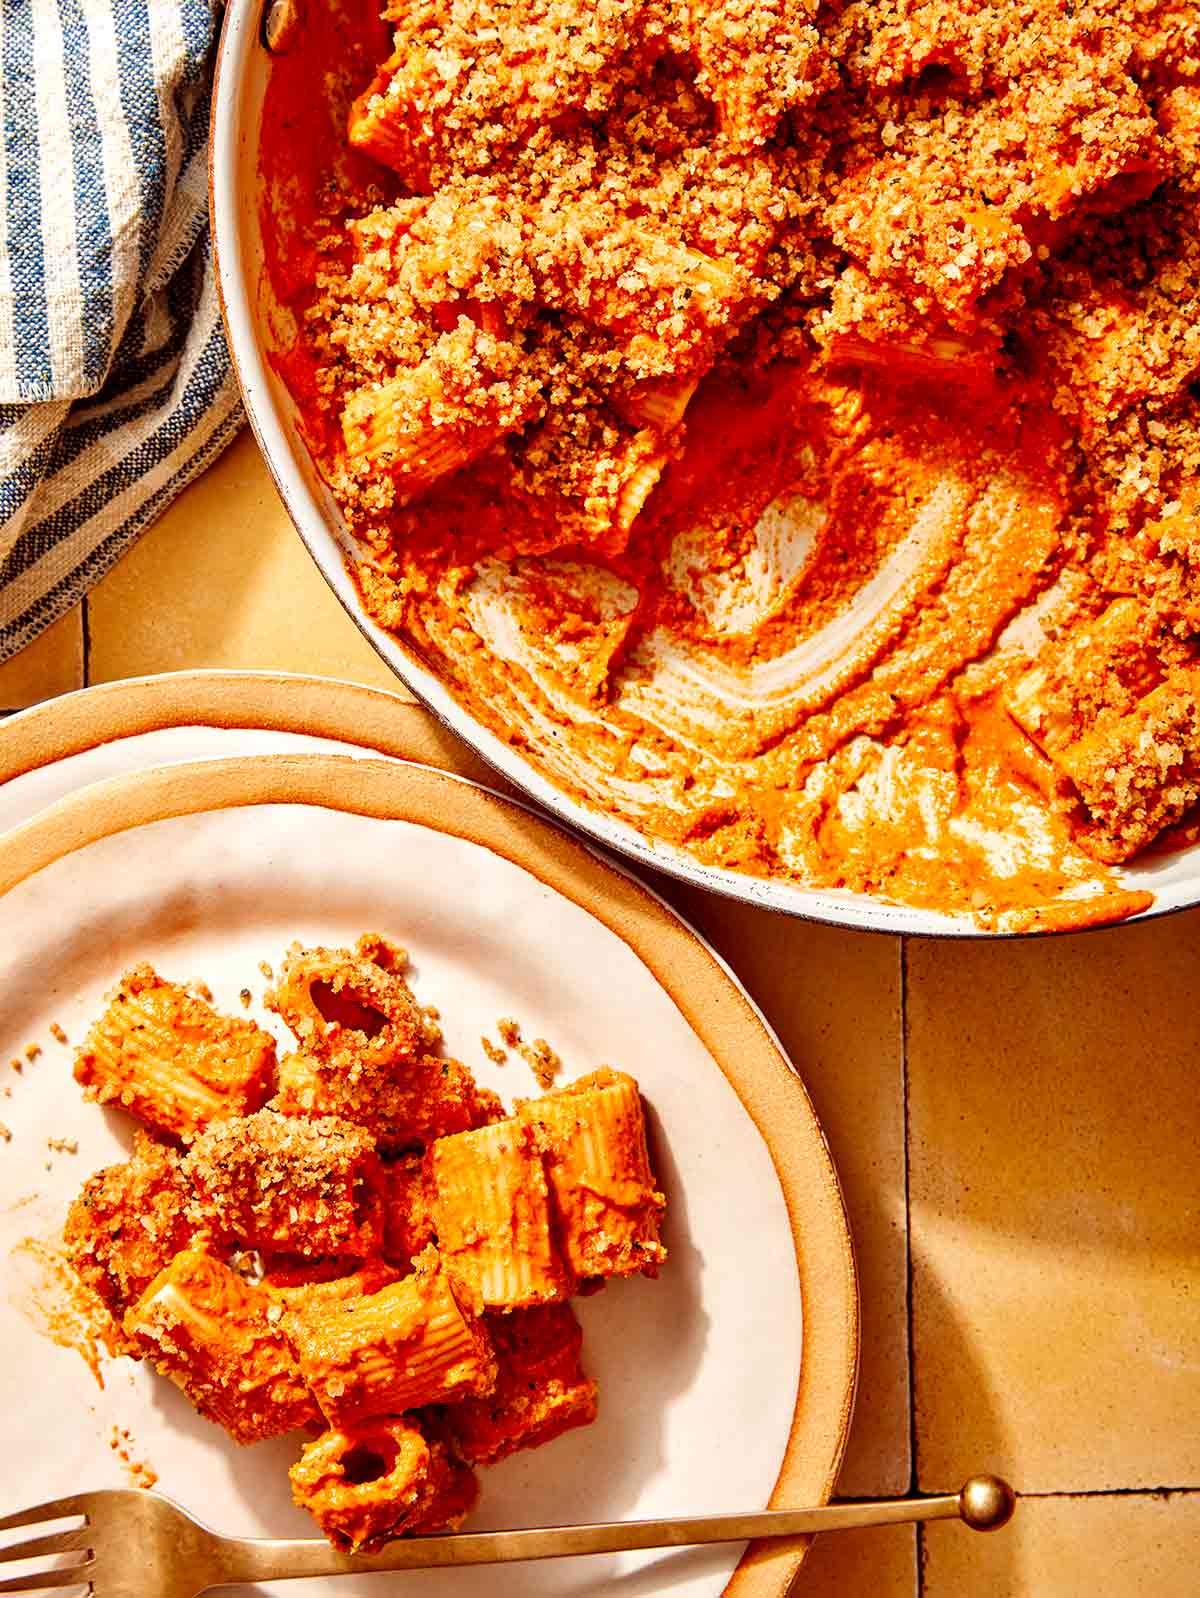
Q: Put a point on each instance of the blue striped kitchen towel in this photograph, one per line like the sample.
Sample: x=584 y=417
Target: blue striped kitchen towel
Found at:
x=115 y=381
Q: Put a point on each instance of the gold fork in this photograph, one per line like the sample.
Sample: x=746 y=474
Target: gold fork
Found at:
x=136 y=1544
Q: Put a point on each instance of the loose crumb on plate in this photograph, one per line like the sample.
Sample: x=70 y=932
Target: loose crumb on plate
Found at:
x=5 y=1133
x=63 y=1145
x=265 y=967
x=139 y=1473
x=57 y=1033
x=245 y=996
x=543 y=1061
x=494 y=1052
x=32 y=1050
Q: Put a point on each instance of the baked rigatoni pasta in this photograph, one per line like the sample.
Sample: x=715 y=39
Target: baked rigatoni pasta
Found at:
x=128 y=1222
x=364 y=1484
x=757 y=59
x=428 y=421
x=366 y=1051
x=399 y=1348
x=466 y=84
x=218 y=1338
x=399 y=1297
x=292 y=1186
x=350 y=1002
x=407 y=1217
x=595 y=475
x=640 y=275
x=296 y=1284
x=844 y=208
x=541 y=1390
x=490 y=1208
x=400 y=1105
x=171 y=1059
x=593 y=1134
x=1115 y=708
x=381 y=1479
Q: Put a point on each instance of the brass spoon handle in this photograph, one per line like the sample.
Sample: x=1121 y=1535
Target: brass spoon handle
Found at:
x=984 y=1503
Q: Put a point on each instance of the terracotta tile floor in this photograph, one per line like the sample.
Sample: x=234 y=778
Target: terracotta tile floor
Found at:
x=1015 y=1125
x=52 y=664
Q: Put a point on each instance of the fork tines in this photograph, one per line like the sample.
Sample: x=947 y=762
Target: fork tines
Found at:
x=72 y=1540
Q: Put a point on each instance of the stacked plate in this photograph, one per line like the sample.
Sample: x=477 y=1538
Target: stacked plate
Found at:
x=203 y=822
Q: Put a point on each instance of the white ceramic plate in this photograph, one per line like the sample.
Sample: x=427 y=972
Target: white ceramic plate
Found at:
x=729 y=1377
x=114 y=729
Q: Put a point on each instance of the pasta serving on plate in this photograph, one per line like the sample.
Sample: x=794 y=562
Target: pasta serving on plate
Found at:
x=357 y=1240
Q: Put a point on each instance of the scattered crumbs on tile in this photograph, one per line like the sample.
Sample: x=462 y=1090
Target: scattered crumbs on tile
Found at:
x=63 y=1145
x=246 y=997
x=5 y=1133
x=202 y=991
x=494 y=1052
x=17 y=1065
x=57 y=1033
x=265 y=967
x=32 y=1050
x=509 y=1031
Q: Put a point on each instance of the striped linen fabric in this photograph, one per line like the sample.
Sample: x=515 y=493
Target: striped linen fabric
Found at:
x=116 y=386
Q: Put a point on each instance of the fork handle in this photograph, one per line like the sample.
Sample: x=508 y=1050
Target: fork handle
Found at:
x=984 y=1503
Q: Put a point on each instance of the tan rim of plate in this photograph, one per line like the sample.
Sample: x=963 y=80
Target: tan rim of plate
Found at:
x=272 y=701
x=697 y=981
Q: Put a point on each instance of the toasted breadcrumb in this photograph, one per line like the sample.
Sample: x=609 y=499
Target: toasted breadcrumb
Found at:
x=57 y=1033
x=541 y=1059
x=126 y=1225
x=138 y=1473
x=297 y=1186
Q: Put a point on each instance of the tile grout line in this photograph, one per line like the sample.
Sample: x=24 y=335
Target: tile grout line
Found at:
x=908 y=1265
x=1119 y=1492
x=1062 y=1492
x=85 y=621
